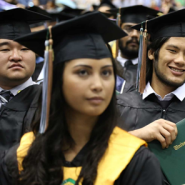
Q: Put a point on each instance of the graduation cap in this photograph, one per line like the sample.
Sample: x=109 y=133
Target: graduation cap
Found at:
x=135 y=14
x=15 y=23
x=107 y=3
x=82 y=37
x=169 y=25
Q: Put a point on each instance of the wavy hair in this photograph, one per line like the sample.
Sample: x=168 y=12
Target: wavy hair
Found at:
x=44 y=161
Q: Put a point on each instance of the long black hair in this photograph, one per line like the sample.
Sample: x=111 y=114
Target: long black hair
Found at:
x=44 y=161
x=155 y=46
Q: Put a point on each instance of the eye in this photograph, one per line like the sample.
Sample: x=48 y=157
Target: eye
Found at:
x=4 y=50
x=128 y=29
x=172 y=51
x=82 y=72
x=24 y=49
x=106 y=72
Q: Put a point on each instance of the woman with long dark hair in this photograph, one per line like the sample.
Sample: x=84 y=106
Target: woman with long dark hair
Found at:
x=81 y=143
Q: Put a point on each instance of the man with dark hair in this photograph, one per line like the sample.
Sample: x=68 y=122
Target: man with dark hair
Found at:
x=152 y=115
x=18 y=93
x=129 y=45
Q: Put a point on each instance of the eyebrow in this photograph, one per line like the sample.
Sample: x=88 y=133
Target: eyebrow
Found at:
x=81 y=65
x=4 y=43
x=171 y=45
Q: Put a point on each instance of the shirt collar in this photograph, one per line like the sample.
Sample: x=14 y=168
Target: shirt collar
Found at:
x=21 y=87
x=179 y=92
x=123 y=60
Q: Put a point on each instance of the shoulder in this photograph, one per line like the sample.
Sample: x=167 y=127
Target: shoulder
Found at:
x=145 y=167
x=132 y=98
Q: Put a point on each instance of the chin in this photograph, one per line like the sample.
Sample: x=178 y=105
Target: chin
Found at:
x=94 y=112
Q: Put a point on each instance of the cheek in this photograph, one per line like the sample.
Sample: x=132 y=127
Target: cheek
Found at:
x=30 y=61
x=73 y=90
x=123 y=41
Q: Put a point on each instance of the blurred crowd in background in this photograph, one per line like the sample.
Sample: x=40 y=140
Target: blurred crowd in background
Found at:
x=163 y=5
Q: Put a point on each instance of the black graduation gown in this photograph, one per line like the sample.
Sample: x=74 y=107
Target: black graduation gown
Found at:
x=128 y=73
x=17 y=115
x=142 y=169
x=136 y=113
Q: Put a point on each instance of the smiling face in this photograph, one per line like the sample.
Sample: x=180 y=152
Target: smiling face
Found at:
x=17 y=63
x=170 y=67
x=88 y=85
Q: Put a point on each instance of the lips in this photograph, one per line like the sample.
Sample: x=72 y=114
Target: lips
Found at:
x=96 y=100
x=16 y=66
x=177 y=71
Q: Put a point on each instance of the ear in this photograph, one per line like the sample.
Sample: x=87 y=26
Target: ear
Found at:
x=151 y=54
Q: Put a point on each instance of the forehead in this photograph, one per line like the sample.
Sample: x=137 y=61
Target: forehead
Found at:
x=176 y=41
x=90 y=62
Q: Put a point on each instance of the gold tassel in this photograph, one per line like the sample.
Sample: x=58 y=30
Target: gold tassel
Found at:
x=142 y=83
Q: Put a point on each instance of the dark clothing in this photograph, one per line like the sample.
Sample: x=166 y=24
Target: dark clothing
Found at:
x=142 y=169
x=136 y=113
x=37 y=71
x=16 y=117
x=128 y=72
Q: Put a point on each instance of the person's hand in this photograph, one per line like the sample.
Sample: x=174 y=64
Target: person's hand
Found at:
x=162 y=130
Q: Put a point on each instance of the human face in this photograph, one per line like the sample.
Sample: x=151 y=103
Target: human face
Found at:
x=129 y=45
x=17 y=63
x=170 y=67
x=88 y=85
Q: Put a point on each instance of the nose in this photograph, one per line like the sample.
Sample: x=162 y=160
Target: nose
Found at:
x=180 y=60
x=134 y=34
x=15 y=56
x=96 y=84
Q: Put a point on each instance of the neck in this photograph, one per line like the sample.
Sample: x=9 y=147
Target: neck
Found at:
x=80 y=127
x=7 y=85
x=159 y=87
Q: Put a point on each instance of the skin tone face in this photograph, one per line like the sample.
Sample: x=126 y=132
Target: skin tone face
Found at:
x=169 y=70
x=93 y=83
x=17 y=63
x=130 y=42
x=88 y=86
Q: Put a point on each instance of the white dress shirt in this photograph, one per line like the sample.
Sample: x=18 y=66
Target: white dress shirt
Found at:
x=179 y=93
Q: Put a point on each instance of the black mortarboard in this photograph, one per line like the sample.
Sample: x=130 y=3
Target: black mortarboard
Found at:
x=71 y=11
x=169 y=25
x=80 y=37
x=15 y=23
x=135 y=14
x=107 y=3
